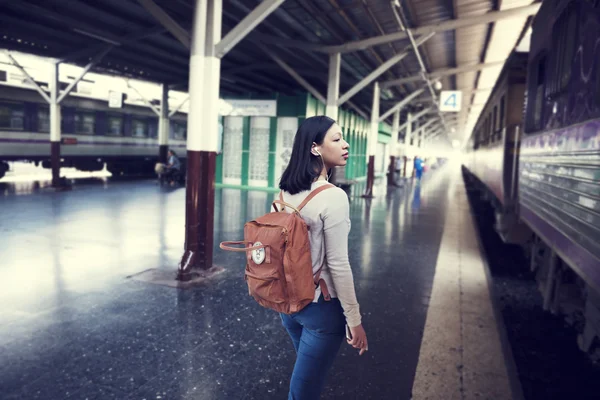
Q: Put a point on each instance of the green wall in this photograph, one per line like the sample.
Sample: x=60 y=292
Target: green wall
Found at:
x=302 y=106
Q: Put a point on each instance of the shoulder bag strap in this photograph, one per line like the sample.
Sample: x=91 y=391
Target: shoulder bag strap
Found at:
x=313 y=194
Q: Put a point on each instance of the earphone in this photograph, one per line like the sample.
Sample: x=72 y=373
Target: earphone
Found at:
x=319 y=155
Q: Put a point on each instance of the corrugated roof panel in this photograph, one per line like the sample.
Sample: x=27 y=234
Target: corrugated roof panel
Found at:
x=470 y=46
x=503 y=39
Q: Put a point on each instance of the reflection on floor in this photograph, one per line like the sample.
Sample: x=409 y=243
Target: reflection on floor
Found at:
x=72 y=326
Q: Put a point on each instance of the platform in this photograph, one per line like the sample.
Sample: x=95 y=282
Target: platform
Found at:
x=73 y=326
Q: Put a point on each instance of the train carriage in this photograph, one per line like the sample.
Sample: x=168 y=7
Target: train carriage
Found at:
x=92 y=133
x=552 y=193
x=559 y=180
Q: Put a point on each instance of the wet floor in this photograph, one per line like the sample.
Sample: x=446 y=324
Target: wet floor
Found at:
x=73 y=326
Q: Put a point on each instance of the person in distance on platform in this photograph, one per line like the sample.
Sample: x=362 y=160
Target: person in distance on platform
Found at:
x=418 y=167
x=318 y=330
x=173 y=167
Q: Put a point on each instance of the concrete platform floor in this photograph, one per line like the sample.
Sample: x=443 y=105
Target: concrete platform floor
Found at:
x=72 y=326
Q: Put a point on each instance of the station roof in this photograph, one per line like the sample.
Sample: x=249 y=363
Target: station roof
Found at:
x=472 y=40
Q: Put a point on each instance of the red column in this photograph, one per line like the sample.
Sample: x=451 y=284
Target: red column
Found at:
x=199 y=217
x=391 y=172
x=370 y=177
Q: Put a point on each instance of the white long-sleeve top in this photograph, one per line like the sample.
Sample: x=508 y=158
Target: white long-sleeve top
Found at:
x=328 y=216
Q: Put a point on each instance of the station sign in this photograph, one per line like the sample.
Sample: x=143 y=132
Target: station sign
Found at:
x=450 y=100
x=248 y=108
x=115 y=99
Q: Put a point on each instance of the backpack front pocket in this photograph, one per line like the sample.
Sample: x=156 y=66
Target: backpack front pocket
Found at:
x=266 y=287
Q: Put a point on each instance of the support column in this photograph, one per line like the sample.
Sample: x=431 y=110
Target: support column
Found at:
x=55 y=126
x=333 y=86
x=202 y=141
x=391 y=181
x=331 y=108
x=407 y=136
x=163 y=125
x=372 y=142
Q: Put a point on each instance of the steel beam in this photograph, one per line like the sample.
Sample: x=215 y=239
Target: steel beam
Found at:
x=246 y=25
x=441 y=73
x=295 y=75
x=123 y=40
x=95 y=61
x=148 y=103
x=358 y=110
x=380 y=70
x=420 y=132
x=401 y=104
x=298 y=44
x=176 y=109
x=165 y=19
x=415 y=117
x=29 y=78
x=487 y=18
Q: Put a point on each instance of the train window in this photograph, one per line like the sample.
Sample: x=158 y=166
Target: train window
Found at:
x=538 y=100
x=115 y=126
x=85 y=123
x=564 y=46
x=494 y=124
x=501 y=121
x=12 y=116
x=139 y=128
x=570 y=39
x=43 y=120
x=178 y=130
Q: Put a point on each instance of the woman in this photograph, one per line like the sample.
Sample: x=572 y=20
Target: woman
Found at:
x=318 y=330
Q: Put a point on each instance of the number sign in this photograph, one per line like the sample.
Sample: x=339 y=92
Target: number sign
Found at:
x=450 y=100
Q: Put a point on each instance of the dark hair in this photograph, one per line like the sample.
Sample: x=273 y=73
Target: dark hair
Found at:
x=304 y=167
x=173 y=152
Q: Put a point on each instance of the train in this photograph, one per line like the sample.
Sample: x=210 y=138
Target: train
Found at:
x=534 y=154
x=93 y=135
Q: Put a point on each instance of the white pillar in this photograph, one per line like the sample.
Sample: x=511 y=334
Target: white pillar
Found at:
x=374 y=132
x=54 y=125
x=196 y=84
x=163 y=124
x=333 y=86
x=408 y=133
x=202 y=140
x=163 y=121
x=205 y=66
x=54 y=105
x=394 y=139
x=212 y=77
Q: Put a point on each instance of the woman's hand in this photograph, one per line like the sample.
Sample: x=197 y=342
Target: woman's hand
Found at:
x=359 y=339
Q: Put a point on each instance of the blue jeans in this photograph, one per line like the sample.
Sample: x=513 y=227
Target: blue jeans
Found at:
x=317 y=331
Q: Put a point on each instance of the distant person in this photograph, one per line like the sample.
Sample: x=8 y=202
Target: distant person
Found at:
x=173 y=167
x=317 y=331
x=419 y=164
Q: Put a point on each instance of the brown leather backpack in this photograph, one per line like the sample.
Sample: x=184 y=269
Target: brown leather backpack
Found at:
x=279 y=266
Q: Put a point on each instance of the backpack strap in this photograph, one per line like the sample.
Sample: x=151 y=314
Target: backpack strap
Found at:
x=313 y=194
x=281 y=202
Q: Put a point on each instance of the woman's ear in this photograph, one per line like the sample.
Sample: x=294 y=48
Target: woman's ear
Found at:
x=314 y=150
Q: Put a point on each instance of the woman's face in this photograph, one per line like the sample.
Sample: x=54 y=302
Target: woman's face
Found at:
x=334 y=149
